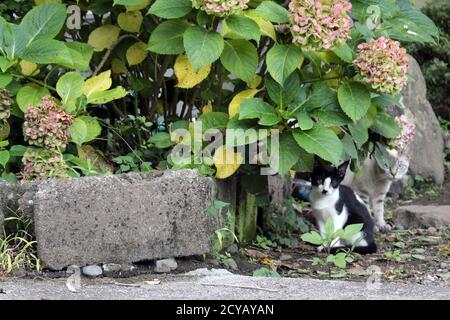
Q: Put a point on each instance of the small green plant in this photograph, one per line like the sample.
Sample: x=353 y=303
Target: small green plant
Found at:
x=264 y=272
x=223 y=236
x=264 y=243
x=397 y=256
x=329 y=239
x=18 y=250
x=285 y=224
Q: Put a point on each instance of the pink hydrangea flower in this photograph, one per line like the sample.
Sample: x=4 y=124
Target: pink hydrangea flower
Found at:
x=319 y=24
x=407 y=135
x=47 y=125
x=383 y=64
x=39 y=164
x=221 y=7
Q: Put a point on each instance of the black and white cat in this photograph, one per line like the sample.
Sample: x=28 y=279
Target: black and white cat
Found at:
x=331 y=199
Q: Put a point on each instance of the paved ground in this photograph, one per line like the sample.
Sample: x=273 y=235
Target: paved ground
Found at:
x=218 y=284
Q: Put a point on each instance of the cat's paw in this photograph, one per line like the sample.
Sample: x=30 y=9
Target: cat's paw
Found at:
x=383 y=227
x=320 y=249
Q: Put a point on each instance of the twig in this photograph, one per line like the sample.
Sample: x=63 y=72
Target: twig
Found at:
x=109 y=51
x=134 y=285
x=238 y=286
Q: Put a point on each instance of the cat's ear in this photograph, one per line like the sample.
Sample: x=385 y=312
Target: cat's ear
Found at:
x=342 y=169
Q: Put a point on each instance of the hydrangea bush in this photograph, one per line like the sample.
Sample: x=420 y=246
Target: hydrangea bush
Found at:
x=324 y=83
x=407 y=134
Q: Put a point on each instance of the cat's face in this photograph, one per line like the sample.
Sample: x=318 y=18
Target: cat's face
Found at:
x=399 y=165
x=326 y=178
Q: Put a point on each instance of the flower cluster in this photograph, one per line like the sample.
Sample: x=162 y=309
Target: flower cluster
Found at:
x=6 y=103
x=221 y=7
x=41 y=163
x=47 y=125
x=319 y=24
x=407 y=135
x=383 y=64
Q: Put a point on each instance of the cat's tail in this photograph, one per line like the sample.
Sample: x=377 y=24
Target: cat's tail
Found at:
x=370 y=248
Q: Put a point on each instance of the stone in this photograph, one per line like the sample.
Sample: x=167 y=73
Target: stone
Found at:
x=123 y=218
x=92 y=271
x=427 y=150
x=166 y=265
x=112 y=267
x=416 y=216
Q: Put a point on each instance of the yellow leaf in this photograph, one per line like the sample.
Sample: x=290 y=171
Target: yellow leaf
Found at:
x=27 y=68
x=140 y=6
x=186 y=75
x=235 y=104
x=227 y=162
x=117 y=66
x=256 y=82
x=103 y=37
x=136 y=53
x=208 y=107
x=98 y=83
x=130 y=21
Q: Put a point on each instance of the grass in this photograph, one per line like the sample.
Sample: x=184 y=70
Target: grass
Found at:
x=18 y=249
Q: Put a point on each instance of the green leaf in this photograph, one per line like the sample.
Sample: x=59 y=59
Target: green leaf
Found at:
x=344 y=52
x=14 y=41
x=167 y=38
x=78 y=131
x=44 y=21
x=257 y=108
x=93 y=128
x=4 y=157
x=292 y=91
x=282 y=60
x=5 y=79
x=161 y=140
x=321 y=96
x=30 y=95
x=386 y=126
x=359 y=132
x=349 y=146
x=352 y=230
x=273 y=12
x=264 y=272
x=354 y=99
x=47 y=51
x=304 y=120
x=214 y=120
x=171 y=9
x=386 y=100
x=128 y=2
x=70 y=86
x=340 y=261
x=102 y=97
x=202 y=47
x=242 y=27
x=241 y=59
x=322 y=142
x=80 y=55
x=288 y=155
x=312 y=237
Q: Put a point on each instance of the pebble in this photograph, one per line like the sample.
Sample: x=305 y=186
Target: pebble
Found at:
x=232 y=264
x=166 y=265
x=92 y=271
x=112 y=267
x=418 y=250
x=433 y=231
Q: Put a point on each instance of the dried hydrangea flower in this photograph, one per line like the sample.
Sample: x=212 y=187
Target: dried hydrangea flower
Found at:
x=407 y=135
x=221 y=7
x=319 y=24
x=40 y=164
x=6 y=103
x=383 y=64
x=47 y=125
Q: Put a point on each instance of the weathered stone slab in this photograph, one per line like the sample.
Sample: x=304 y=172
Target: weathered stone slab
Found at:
x=123 y=218
x=422 y=216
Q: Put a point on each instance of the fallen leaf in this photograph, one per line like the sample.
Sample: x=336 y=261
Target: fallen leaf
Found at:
x=153 y=282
